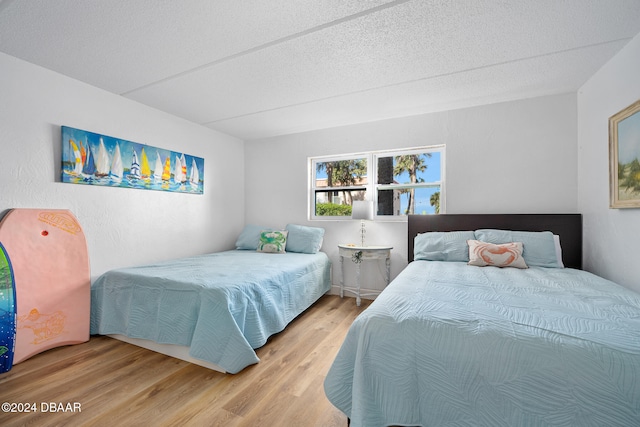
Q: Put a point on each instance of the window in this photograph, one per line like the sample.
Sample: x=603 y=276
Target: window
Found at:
x=400 y=182
x=336 y=183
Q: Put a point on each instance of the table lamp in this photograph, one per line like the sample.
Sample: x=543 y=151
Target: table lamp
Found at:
x=362 y=210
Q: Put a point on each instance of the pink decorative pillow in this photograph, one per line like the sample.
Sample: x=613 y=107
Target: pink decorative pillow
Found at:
x=482 y=254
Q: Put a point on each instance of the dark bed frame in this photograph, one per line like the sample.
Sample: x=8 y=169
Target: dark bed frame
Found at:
x=567 y=226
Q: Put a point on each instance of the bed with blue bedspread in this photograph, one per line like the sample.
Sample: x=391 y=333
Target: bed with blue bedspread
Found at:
x=219 y=306
x=449 y=343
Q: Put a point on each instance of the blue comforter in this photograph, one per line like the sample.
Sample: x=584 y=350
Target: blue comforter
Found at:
x=452 y=344
x=221 y=305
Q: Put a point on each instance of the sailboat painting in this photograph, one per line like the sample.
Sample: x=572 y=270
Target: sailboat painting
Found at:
x=93 y=159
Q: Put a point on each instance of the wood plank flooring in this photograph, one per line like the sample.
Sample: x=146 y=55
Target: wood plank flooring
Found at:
x=118 y=384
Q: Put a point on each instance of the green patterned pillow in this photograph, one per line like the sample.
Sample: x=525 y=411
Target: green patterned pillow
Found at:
x=273 y=241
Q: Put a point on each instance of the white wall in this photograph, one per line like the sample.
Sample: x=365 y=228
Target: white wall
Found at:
x=515 y=157
x=123 y=227
x=611 y=236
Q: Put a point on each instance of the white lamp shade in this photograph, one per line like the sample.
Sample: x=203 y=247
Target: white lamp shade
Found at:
x=362 y=209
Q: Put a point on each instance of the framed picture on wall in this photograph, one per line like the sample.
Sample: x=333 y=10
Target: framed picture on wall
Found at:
x=624 y=158
x=95 y=159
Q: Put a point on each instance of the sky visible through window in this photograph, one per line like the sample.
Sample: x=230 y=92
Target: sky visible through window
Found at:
x=422 y=195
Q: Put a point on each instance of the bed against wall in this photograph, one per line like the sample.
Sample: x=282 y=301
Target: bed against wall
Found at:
x=448 y=343
x=215 y=309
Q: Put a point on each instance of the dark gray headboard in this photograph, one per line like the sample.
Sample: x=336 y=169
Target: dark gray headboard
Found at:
x=567 y=226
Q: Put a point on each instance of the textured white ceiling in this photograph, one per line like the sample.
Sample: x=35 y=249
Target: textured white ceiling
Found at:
x=256 y=68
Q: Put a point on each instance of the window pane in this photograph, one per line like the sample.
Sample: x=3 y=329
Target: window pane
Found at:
x=403 y=201
x=337 y=203
x=341 y=173
x=410 y=168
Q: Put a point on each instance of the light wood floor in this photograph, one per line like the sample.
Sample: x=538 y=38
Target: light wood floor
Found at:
x=118 y=384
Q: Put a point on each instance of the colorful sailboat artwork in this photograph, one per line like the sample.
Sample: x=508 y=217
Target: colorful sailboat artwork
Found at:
x=89 y=167
x=117 y=170
x=177 y=171
x=77 y=158
x=94 y=159
x=134 y=171
x=194 y=175
x=180 y=170
x=145 y=170
x=102 y=162
x=166 y=171
x=158 y=169
x=183 y=169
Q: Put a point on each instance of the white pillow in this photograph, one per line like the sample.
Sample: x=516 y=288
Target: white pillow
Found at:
x=556 y=241
x=273 y=241
x=538 y=247
x=484 y=254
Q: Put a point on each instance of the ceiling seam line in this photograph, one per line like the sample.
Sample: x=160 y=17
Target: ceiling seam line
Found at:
x=272 y=43
x=412 y=81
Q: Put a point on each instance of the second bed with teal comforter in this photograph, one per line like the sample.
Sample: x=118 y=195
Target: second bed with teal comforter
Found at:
x=221 y=305
x=452 y=344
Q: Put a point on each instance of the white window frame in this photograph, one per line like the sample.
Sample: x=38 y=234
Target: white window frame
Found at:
x=313 y=161
x=372 y=186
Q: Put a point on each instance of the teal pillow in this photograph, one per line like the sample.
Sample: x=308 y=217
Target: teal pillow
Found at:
x=250 y=237
x=272 y=241
x=442 y=246
x=539 y=246
x=303 y=239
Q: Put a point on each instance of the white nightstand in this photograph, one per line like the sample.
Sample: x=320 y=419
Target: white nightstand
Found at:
x=358 y=254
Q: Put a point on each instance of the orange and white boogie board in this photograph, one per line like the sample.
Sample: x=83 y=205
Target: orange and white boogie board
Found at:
x=52 y=278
